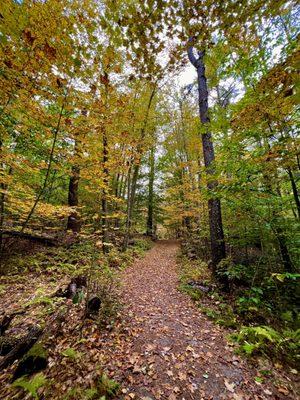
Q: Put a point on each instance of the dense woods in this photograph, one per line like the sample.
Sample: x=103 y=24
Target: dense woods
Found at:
x=127 y=120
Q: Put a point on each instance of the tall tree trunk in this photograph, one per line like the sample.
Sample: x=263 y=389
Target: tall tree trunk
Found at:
x=218 y=251
x=74 y=218
x=294 y=189
x=150 y=225
x=3 y=188
x=104 y=198
x=104 y=214
x=128 y=209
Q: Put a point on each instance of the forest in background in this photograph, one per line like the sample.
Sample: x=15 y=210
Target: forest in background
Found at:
x=101 y=143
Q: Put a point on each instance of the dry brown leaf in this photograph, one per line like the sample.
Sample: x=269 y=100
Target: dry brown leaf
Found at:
x=229 y=386
x=283 y=390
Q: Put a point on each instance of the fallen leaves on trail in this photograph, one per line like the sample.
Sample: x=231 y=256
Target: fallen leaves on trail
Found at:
x=161 y=347
x=178 y=352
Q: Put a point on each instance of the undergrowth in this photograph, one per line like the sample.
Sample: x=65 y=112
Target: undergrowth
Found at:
x=262 y=316
x=53 y=266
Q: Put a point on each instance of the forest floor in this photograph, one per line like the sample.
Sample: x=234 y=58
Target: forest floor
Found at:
x=173 y=351
x=160 y=347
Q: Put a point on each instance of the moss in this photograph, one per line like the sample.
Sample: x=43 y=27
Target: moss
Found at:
x=37 y=350
x=33 y=361
x=195 y=294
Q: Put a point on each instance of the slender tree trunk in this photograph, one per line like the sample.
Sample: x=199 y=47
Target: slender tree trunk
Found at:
x=218 y=251
x=128 y=210
x=150 y=225
x=42 y=190
x=74 y=218
x=295 y=190
x=3 y=188
x=104 y=198
x=104 y=215
x=123 y=187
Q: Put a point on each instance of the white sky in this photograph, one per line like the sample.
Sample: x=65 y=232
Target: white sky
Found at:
x=188 y=75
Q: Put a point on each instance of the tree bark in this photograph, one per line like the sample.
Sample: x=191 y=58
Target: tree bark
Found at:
x=150 y=225
x=104 y=199
x=295 y=191
x=74 y=218
x=218 y=251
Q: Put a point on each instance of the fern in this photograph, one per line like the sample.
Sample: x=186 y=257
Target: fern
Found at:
x=32 y=385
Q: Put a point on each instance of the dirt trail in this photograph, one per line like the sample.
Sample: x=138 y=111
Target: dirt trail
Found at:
x=172 y=351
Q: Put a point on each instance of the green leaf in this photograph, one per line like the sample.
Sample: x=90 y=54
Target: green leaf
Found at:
x=71 y=353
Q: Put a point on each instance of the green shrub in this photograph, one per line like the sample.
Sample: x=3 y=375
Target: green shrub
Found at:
x=268 y=341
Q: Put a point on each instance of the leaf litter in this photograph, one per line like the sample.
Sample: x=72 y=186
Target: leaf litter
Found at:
x=161 y=347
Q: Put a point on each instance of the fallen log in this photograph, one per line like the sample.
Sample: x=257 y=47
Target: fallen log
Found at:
x=22 y=346
x=6 y=320
x=7 y=344
x=34 y=238
x=35 y=360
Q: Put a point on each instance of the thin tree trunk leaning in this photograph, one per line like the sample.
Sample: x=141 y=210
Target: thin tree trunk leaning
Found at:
x=150 y=224
x=218 y=251
x=42 y=190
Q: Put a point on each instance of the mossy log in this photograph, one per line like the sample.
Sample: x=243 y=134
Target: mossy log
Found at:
x=7 y=344
x=48 y=241
x=6 y=320
x=22 y=347
x=33 y=361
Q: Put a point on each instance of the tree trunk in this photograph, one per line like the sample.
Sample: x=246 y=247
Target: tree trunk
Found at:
x=50 y=161
x=104 y=199
x=104 y=214
x=218 y=251
x=295 y=191
x=128 y=220
x=150 y=225
x=74 y=218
